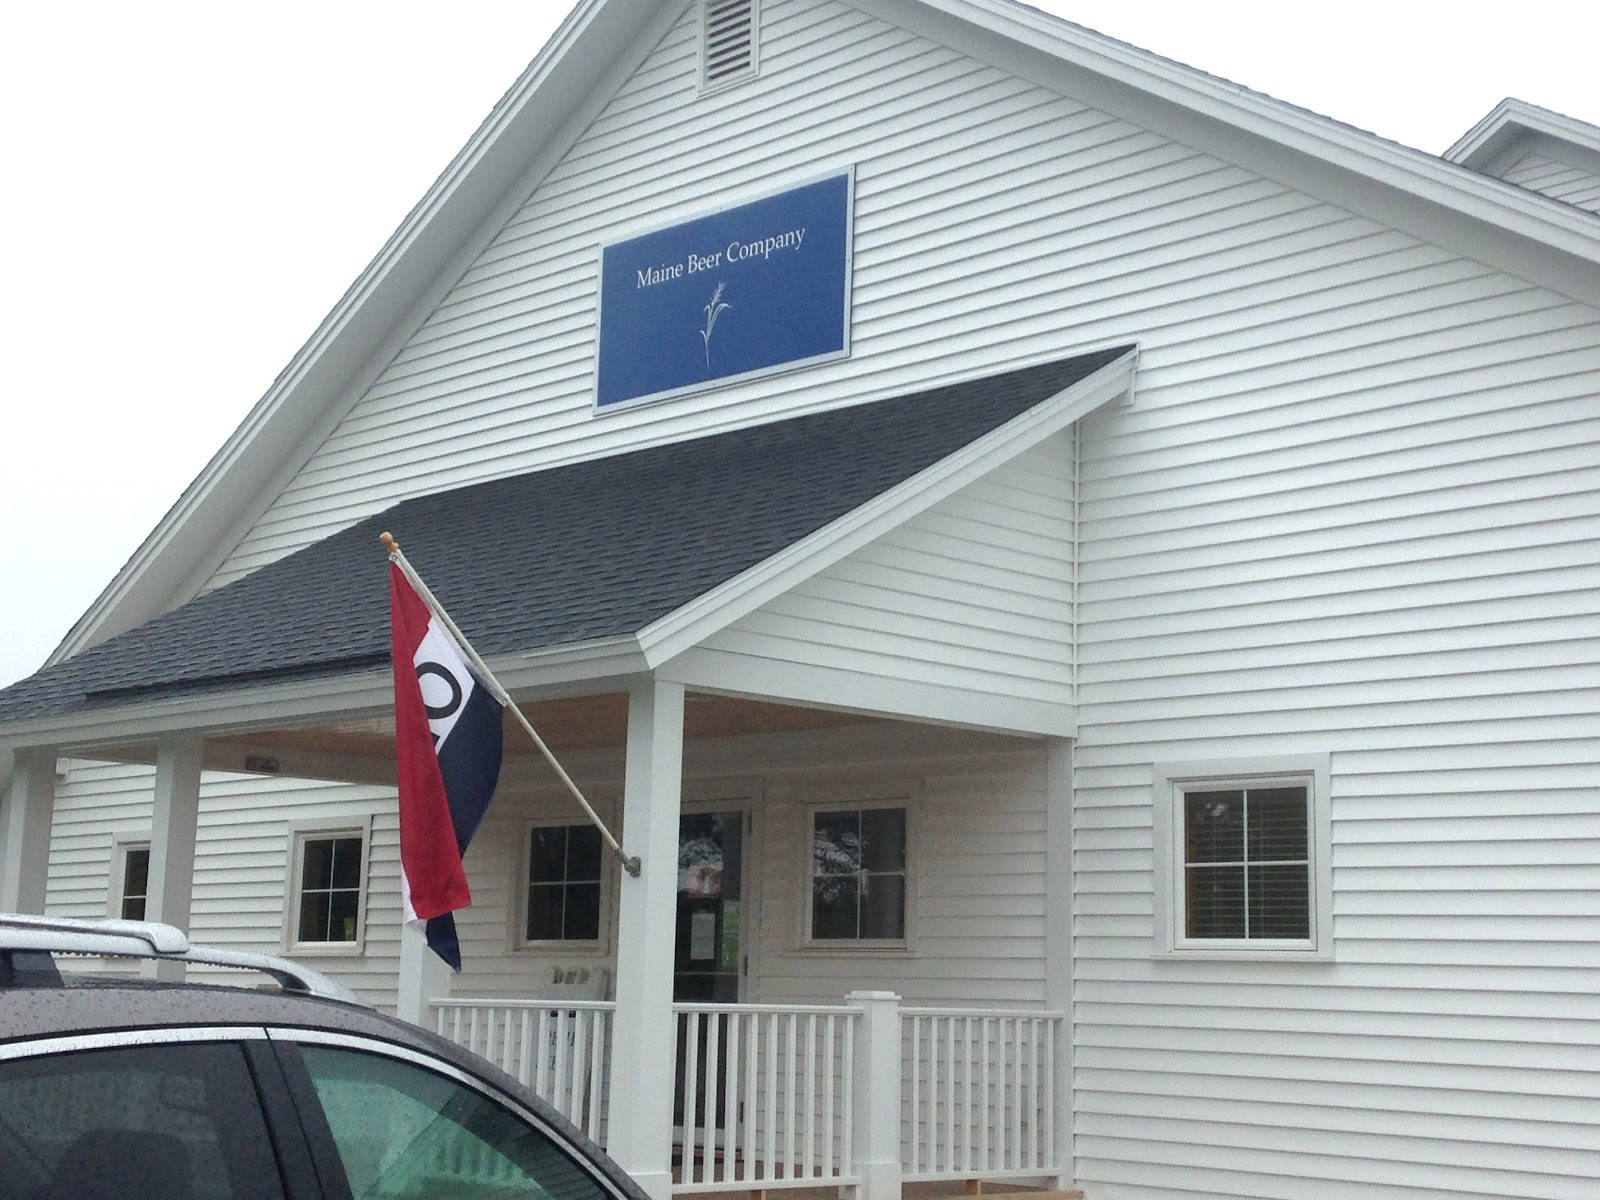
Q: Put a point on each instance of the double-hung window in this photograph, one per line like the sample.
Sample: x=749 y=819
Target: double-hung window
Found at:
x=859 y=868
x=563 y=884
x=1243 y=859
x=328 y=877
x=130 y=880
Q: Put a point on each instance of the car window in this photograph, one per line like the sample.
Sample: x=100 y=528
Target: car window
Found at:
x=151 y=1122
x=406 y=1133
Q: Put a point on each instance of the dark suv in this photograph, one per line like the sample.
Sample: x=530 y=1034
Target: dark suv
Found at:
x=148 y=1091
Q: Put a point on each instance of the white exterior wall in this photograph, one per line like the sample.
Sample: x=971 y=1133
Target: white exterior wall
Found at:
x=1378 y=542
x=975 y=593
x=1552 y=177
x=242 y=859
x=976 y=834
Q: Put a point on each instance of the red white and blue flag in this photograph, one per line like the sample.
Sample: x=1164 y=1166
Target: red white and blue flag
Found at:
x=449 y=733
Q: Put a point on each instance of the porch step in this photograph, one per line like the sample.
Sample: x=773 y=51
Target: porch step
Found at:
x=1031 y=1194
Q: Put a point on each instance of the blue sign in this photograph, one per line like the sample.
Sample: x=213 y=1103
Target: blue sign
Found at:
x=750 y=290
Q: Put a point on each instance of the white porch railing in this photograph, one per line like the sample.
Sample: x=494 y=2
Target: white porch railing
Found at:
x=978 y=1093
x=774 y=1096
x=557 y=1048
x=765 y=1095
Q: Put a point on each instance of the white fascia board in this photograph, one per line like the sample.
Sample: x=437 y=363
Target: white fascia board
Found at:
x=714 y=610
x=528 y=131
x=585 y=669
x=720 y=673
x=1179 y=100
x=1512 y=118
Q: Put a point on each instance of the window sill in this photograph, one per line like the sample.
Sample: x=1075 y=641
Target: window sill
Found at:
x=353 y=949
x=857 y=949
x=575 y=948
x=1308 y=954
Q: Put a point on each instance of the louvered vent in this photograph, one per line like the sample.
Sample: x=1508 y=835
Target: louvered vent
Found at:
x=728 y=41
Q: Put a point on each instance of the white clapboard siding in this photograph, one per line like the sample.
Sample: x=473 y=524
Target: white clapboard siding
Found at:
x=1379 y=544
x=1559 y=180
x=974 y=251
x=974 y=593
x=242 y=853
x=976 y=833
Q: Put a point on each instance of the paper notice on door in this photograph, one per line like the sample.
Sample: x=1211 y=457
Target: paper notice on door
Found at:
x=702 y=936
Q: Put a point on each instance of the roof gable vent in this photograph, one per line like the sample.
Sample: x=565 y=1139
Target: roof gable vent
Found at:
x=727 y=42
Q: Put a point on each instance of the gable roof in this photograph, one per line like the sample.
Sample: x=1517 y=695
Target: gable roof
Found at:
x=577 y=554
x=594 y=50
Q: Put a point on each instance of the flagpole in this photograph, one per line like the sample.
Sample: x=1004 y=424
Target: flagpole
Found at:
x=630 y=862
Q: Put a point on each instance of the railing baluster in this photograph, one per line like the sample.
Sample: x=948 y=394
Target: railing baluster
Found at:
x=847 y=1073
x=915 y=1091
x=772 y=1095
x=808 y=1156
x=730 y=1102
x=713 y=1082
x=689 y=1042
x=830 y=1085
x=541 y=1049
x=597 y=1066
x=791 y=1094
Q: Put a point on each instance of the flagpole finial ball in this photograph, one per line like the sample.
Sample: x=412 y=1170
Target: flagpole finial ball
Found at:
x=388 y=541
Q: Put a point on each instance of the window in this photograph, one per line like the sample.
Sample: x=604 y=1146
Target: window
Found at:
x=130 y=865
x=1244 y=859
x=858 y=875
x=563 y=884
x=329 y=874
x=175 y=1121
x=406 y=1133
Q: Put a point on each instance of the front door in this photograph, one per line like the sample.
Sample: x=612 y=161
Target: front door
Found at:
x=710 y=913
x=709 y=954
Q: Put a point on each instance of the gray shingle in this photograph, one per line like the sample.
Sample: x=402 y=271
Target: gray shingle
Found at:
x=594 y=550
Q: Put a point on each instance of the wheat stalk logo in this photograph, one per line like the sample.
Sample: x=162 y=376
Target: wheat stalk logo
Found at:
x=712 y=310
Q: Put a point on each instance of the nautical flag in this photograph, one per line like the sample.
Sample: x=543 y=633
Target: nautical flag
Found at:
x=448 y=733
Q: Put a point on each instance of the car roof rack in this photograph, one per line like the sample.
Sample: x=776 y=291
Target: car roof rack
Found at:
x=20 y=932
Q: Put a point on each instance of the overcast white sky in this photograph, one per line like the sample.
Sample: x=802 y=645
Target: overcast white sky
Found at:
x=190 y=186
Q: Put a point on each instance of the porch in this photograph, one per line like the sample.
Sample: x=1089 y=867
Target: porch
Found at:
x=870 y=1094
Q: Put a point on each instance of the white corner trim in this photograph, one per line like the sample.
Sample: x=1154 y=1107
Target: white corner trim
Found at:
x=713 y=610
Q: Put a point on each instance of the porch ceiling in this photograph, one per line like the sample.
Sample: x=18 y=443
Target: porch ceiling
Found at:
x=363 y=750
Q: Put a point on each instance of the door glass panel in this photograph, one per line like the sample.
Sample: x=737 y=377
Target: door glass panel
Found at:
x=708 y=957
x=153 y=1122
x=405 y=1133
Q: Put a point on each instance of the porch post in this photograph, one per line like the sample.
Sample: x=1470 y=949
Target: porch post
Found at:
x=1058 y=943
x=639 y=1118
x=28 y=813
x=876 y=1112
x=173 y=821
x=424 y=976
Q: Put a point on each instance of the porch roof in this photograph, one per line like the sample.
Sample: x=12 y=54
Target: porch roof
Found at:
x=563 y=557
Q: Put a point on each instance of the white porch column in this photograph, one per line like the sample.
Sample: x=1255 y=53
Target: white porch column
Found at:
x=876 y=1112
x=424 y=976
x=1058 y=940
x=28 y=813
x=173 y=821
x=639 y=1124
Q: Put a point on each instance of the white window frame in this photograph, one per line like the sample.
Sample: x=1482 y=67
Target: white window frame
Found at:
x=903 y=801
x=1171 y=781
x=577 y=946
x=300 y=833
x=121 y=844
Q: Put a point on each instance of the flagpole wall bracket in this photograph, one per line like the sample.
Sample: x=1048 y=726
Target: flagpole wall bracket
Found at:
x=630 y=863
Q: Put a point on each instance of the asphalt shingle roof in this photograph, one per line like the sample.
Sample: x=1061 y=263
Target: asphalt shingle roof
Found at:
x=568 y=555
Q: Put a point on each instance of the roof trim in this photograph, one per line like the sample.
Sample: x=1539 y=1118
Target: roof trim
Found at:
x=1508 y=121
x=712 y=611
